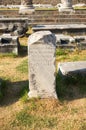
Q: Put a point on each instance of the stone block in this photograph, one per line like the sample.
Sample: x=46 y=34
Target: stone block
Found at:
x=41 y=50
x=9 y=44
x=70 y=68
x=82 y=45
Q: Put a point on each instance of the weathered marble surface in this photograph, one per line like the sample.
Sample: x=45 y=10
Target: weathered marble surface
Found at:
x=14 y=26
x=42 y=65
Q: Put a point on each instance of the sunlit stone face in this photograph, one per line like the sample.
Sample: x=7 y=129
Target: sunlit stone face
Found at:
x=67 y=3
x=26 y=2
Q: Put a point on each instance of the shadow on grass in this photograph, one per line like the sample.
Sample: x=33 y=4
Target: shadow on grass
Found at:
x=2 y=88
x=23 y=51
x=70 y=88
x=67 y=88
x=14 y=91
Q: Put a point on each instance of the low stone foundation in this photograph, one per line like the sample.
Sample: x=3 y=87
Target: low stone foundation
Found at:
x=15 y=26
x=9 y=49
x=9 y=44
x=72 y=68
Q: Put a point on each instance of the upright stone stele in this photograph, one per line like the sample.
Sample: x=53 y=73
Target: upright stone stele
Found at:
x=41 y=49
x=66 y=6
x=26 y=7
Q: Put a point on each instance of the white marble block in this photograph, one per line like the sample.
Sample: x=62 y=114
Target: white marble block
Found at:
x=66 y=5
x=41 y=48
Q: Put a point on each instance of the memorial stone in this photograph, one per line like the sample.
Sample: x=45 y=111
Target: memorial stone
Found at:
x=41 y=47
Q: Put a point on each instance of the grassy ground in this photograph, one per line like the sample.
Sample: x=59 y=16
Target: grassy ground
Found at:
x=9 y=9
x=80 y=8
x=44 y=8
x=18 y=113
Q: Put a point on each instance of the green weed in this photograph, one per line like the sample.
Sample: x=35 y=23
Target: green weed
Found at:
x=41 y=8
x=75 y=58
x=60 y=52
x=9 y=9
x=80 y=8
x=24 y=93
x=23 y=67
x=2 y=55
x=25 y=118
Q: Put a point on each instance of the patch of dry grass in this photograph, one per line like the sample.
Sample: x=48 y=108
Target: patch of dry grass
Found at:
x=66 y=55
x=48 y=114
x=8 y=68
x=23 y=41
